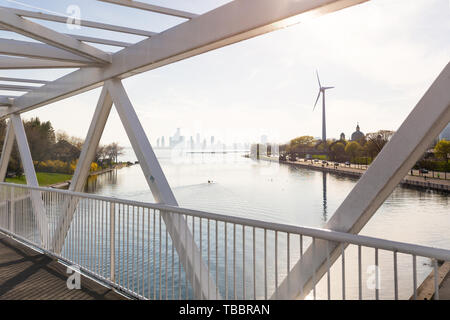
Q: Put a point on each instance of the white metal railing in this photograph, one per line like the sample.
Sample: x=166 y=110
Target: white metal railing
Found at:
x=126 y=245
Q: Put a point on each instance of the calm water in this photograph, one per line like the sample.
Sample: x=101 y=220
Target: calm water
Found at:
x=287 y=194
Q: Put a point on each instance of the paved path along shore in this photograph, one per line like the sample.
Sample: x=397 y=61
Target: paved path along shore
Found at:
x=418 y=181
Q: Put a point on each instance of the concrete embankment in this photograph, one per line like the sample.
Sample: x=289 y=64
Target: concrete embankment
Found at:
x=412 y=181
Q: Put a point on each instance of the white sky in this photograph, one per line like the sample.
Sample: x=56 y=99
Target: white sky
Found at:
x=381 y=56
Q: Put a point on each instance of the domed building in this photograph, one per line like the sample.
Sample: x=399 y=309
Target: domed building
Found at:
x=357 y=135
x=445 y=134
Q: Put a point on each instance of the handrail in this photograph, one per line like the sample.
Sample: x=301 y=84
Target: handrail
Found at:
x=325 y=234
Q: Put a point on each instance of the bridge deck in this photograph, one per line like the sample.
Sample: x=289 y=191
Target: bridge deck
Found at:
x=29 y=275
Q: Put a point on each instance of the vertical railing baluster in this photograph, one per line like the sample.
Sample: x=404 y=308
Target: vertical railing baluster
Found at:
x=436 y=280
x=200 y=257
x=209 y=262
x=179 y=264
x=128 y=247
x=265 y=264
x=143 y=251
x=193 y=260
x=359 y=273
x=328 y=272
x=217 y=259
x=395 y=277
x=173 y=268
x=301 y=245
x=154 y=255
x=276 y=264
x=96 y=236
x=288 y=254
x=148 y=254
x=12 y=212
x=234 y=261
x=254 y=264
x=343 y=270
x=226 y=262
x=377 y=293
x=186 y=291
x=415 y=276
x=132 y=249
x=112 y=240
x=167 y=260
x=243 y=262
x=314 y=266
x=159 y=255
x=91 y=227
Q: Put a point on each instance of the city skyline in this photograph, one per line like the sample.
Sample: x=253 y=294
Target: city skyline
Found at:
x=263 y=85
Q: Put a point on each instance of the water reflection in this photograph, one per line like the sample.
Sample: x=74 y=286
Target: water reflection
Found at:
x=95 y=183
x=288 y=194
x=324 y=193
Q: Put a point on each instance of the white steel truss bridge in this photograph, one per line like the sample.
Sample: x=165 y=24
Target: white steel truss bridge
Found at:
x=159 y=250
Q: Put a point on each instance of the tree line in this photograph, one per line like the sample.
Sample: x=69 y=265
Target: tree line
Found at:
x=365 y=150
x=55 y=152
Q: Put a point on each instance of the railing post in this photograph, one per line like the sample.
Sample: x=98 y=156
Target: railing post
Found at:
x=12 y=211
x=112 y=245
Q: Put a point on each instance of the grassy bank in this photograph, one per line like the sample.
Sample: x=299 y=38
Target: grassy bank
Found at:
x=44 y=178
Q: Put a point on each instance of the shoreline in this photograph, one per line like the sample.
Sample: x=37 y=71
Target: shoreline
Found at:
x=66 y=184
x=409 y=181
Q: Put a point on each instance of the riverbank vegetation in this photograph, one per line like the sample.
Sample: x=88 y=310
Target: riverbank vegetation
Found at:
x=44 y=178
x=55 y=153
x=362 y=151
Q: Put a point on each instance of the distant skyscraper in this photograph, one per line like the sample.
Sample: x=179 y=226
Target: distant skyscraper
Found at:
x=163 y=143
x=204 y=144
x=176 y=139
x=191 y=143
x=157 y=143
x=263 y=139
x=197 y=139
x=212 y=140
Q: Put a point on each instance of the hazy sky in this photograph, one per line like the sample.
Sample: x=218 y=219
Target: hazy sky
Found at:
x=381 y=56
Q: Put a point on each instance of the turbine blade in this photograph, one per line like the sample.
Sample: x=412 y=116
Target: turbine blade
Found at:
x=318 y=80
x=318 y=96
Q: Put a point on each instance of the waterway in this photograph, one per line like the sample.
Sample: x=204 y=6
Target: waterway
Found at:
x=283 y=193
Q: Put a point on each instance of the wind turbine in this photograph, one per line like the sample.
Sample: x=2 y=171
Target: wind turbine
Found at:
x=324 y=126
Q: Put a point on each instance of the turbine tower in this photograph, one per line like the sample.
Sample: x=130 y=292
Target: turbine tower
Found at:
x=324 y=125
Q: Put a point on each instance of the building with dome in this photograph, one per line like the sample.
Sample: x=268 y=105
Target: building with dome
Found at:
x=357 y=135
x=445 y=134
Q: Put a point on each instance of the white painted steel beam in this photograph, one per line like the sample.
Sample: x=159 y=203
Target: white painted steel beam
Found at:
x=144 y=152
x=152 y=8
x=6 y=100
x=30 y=175
x=406 y=147
x=225 y=25
x=30 y=63
x=13 y=87
x=81 y=173
x=38 y=32
x=196 y=270
x=9 y=79
x=8 y=144
x=108 y=42
x=83 y=23
x=38 y=50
